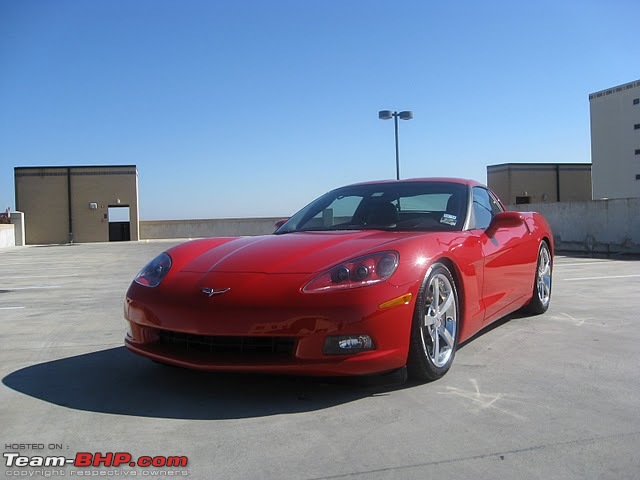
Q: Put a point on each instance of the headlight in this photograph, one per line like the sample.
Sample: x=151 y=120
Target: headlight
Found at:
x=359 y=272
x=153 y=273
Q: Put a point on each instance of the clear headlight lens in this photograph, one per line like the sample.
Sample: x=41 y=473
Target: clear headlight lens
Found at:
x=359 y=272
x=153 y=273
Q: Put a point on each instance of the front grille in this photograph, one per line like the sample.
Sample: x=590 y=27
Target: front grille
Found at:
x=269 y=347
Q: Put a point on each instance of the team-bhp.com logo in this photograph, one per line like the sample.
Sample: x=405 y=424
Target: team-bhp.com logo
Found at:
x=86 y=459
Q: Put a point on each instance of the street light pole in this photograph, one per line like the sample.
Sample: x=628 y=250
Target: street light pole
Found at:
x=395 y=120
x=404 y=115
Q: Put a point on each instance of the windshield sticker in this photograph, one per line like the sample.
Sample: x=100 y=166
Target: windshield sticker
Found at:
x=449 y=219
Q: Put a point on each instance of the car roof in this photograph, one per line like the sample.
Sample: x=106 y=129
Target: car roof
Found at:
x=461 y=181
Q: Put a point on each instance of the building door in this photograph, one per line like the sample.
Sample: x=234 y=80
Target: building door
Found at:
x=119 y=223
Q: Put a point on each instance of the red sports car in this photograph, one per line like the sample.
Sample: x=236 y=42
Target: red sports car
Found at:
x=368 y=278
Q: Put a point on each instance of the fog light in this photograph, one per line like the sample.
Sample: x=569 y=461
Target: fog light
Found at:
x=346 y=344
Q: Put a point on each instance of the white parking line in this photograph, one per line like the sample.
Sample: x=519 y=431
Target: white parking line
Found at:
x=604 y=262
x=599 y=278
x=41 y=266
x=31 y=288
x=41 y=276
x=11 y=308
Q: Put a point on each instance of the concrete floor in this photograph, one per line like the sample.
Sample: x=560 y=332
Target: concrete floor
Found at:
x=554 y=397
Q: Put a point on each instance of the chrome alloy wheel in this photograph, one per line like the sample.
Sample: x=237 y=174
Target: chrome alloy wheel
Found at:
x=543 y=278
x=439 y=328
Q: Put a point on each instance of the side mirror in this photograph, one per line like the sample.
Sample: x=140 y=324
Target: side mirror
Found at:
x=505 y=220
x=279 y=223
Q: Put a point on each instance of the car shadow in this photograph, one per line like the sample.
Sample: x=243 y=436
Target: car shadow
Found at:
x=492 y=326
x=119 y=382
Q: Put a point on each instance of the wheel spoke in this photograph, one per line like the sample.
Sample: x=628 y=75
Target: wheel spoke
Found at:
x=547 y=267
x=544 y=264
x=436 y=346
x=436 y=296
x=429 y=319
x=446 y=336
x=546 y=284
x=447 y=303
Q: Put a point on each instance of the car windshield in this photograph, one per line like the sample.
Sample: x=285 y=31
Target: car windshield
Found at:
x=409 y=206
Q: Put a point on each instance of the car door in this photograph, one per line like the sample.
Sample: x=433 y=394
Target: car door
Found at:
x=508 y=263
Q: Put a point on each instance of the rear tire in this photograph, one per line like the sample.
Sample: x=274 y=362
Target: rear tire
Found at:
x=434 y=331
x=541 y=296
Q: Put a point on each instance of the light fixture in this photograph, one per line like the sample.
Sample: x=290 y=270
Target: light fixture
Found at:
x=388 y=115
x=345 y=344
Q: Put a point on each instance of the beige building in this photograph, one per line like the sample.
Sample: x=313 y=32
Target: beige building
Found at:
x=615 y=141
x=517 y=183
x=78 y=204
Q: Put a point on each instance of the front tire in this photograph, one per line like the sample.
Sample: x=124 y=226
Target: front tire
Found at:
x=541 y=296
x=434 y=331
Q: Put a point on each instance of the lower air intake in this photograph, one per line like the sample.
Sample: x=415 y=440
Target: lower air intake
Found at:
x=269 y=347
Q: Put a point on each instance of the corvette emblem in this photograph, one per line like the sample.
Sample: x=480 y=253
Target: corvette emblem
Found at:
x=214 y=291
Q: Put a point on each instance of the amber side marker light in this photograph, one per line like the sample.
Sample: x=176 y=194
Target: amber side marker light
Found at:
x=395 y=302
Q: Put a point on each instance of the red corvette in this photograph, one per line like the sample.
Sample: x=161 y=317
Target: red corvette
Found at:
x=367 y=278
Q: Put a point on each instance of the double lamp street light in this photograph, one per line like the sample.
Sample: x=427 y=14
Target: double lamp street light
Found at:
x=404 y=115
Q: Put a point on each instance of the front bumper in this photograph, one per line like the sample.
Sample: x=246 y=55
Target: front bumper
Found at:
x=260 y=307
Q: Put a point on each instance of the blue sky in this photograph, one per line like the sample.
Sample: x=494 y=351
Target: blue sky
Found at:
x=253 y=108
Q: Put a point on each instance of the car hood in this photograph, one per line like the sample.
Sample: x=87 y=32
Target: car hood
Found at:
x=301 y=252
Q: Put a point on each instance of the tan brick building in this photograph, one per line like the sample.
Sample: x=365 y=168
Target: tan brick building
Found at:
x=518 y=183
x=79 y=203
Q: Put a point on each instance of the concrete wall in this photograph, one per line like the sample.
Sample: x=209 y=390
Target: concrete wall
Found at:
x=17 y=220
x=614 y=141
x=599 y=226
x=112 y=187
x=43 y=193
x=7 y=236
x=225 y=227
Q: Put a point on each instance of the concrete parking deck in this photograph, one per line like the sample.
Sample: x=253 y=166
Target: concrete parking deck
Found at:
x=554 y=396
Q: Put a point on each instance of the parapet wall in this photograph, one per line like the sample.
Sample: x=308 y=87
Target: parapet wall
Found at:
x=223 y=227
x=7 y=236
x=598 y=226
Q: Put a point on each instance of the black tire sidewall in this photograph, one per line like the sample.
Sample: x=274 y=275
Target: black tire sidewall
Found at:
x=419 y=365
x=536 y=306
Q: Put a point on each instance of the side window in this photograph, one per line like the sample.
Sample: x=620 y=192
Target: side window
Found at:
x=482 y=208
